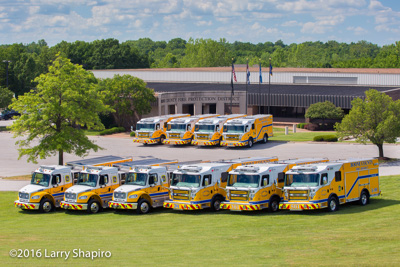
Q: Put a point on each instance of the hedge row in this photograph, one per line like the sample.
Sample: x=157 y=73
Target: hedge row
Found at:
x=113 y=130
x=325 y=138
x=301 y=125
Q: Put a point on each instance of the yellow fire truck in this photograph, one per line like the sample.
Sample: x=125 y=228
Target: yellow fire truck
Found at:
x=153 y=130
x=208 y=132
x=327 y=185
x=180 y=131
x=247 y=131
x=200 y=186
x=259 y=186
x=49 y=183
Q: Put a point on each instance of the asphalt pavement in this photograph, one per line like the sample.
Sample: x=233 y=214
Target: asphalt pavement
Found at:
x=122 y=145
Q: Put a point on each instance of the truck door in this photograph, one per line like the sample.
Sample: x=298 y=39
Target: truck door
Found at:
x=104 y=190
x=157 y=194
x=208 y=190
x=57 y=188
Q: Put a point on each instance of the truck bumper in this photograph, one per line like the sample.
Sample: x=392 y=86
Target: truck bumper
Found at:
x=146 y=140
x=123 y=206
x=234 y=206
x=26 y=205
x=73 y=206
x=299 y=206
x=204 y=143
x=234 y=144
x=176 y=142
x=181 y=206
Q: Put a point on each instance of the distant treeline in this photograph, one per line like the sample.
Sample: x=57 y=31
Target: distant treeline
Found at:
x=30 y=60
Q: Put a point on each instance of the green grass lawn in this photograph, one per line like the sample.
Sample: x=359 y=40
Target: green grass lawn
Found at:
x=355 y=235
x=279 y=135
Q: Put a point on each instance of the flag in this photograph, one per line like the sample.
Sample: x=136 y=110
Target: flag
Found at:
x=233 y=77
x=270 y=69
x=248 y=74
x=260 y=74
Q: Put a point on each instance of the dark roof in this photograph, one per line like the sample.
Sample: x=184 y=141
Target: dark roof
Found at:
x=302 y=89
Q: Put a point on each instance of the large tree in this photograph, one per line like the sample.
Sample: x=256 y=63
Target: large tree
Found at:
x=374 y=119
x=64 y=100
x=128 y=96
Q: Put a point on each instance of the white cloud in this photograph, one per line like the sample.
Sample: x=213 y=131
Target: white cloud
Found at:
x=357 y=30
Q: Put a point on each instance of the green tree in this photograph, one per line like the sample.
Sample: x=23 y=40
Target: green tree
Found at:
x=5 y=97
x=324 y=110
x=374 y=119
x=65 y=99
x=206 y=53
x=129 y=97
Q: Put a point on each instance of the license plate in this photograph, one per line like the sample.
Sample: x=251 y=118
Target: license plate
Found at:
x=235 y=207
x=176 y=206
x=294 y=207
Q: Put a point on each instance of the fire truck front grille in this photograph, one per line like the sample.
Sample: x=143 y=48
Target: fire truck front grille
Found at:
x=23 y=196
x=230 y=137
x=175 y=135
x=298 y=195
x=202 y=136
x=143 y=135
x=118 y=195
x=239 y=195
x=181 y=194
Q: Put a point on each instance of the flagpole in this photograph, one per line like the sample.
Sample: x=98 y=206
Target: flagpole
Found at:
x=232 y=85
x=259 y=89
x=247 y=80
x=269 y=87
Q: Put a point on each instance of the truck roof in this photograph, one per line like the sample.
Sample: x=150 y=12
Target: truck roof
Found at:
x=259 y=168
x=191 y=118
x=219 y=119
x=150 y=161
x=161 y=118
x=96 y=161
x=303 y=160
x=249 y=159
x=201 y=167
x=51 y=168
x=247 y=119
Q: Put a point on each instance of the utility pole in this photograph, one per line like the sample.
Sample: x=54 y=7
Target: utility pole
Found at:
x=269 y=86
x=7 y=62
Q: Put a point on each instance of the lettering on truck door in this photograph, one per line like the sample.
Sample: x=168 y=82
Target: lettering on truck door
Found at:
x=155 y=189
x=57 y=188
x=105 y=189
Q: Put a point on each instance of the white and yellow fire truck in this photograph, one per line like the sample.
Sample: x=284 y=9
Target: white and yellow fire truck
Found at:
x=180 y=131
x=153 y=130
x=145 y=187
x=247 y=131
x=199 y=186
x=49 y=183
x=327 y=185
x=208 y=132
x=259 y=186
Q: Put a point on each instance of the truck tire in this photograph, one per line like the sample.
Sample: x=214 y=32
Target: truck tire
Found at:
x=333 y=204
x=46 y=205
x=93 y=206
x=143 y=206
x=273 y=205
x=364 y=198
x=250 y=142
x=162 y=138
x=216 y=203
x=265 y=138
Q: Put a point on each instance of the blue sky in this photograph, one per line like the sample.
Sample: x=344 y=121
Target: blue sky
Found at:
x=296 y=21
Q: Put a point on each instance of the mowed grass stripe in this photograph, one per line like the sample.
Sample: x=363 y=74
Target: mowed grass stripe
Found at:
x=354 y=235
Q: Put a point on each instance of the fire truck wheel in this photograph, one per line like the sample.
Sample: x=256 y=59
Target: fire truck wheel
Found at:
x=364 y=198
x=216 y=203
x=143 y=206
x=250 y=142
x=273 y=205
x=93 y=206
x=333 y=204
x=162 y=138
x=265 y=138
x=46 y=205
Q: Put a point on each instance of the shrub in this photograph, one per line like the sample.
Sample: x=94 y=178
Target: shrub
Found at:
x=112 y=130
x=325 y=138
x=311 y=126
x=132 y=134
x=301 y=125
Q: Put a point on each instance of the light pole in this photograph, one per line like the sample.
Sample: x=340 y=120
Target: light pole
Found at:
x=269 y=86
x=7 y=62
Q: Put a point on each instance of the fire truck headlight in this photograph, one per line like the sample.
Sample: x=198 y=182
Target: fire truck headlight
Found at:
x=133 y=196
x=286 y=194
x=252 y=194
x=193 y=193
x=83 y=197
x=35 y=197
x=312 y=193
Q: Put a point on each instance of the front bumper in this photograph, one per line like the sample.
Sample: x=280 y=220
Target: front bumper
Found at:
x=234 y=206
x=73 y=206
x=204 y=143
x=181 y=205
x=176 y=141
x=124 y=206
x=26 y=205
x=234 y=144
x=299 y=206
x=146 y=140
